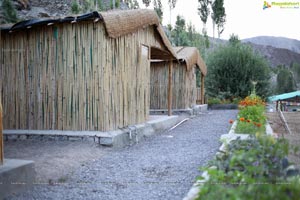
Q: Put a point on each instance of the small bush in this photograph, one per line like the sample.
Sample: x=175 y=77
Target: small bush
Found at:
x=9 y=12
x=75 y=8
x=251 y=169
x=212 y=101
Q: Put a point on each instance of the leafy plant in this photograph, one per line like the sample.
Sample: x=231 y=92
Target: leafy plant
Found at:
x=9 y=12
x=117 y=3
x=231 y=69
x=251 y=169
x=75 y=8
x=212 y=101
x=251 y=115
x=285 y=81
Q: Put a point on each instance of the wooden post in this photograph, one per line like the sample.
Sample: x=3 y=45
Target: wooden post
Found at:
x=1 y=137
x=202 y=88
x=170 y=88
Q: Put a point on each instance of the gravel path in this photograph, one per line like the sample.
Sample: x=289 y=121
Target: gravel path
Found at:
x=160 y=167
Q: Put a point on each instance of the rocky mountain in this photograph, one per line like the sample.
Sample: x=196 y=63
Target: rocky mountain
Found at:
x=28 y=9
x=277 y=42
x=276 y=56
x=277 y=50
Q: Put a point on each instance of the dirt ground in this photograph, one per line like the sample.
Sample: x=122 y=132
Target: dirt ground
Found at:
x=294 y=142
x=54 y=160
x=294 y=138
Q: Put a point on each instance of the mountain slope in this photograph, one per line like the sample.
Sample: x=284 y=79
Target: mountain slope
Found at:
x=278 y=42
x=276 y=56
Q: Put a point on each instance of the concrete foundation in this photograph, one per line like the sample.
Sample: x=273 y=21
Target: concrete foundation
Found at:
x=195 y=110
x=117 y=138
x=16 y=176
x=223 y=107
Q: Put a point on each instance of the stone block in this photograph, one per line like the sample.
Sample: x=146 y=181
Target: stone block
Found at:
x=16 y=176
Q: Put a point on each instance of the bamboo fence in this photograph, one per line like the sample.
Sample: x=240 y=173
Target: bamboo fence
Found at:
x=183 y=86
x=1 y=137
x=75 y=77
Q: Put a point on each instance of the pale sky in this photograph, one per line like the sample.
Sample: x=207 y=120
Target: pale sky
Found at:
x=246 y=18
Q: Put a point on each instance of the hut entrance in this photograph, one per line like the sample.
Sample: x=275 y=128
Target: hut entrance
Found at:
x=161 y=55
x=200 y=99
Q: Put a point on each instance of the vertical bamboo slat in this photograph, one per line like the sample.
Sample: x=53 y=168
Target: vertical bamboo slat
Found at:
x=1 y=137
x=170 y=88
x=202 y=88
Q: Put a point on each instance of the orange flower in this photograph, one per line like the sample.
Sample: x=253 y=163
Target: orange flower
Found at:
x=231 y=121
x=251 y=101
x=248 y=120
x=258 y=125
x=242 y=119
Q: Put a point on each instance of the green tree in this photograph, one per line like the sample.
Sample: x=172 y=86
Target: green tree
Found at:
x=9 y=12
x=197 y=40
x=146 y=2
x=158 y=8
x=112 y=4
x=132 y=4
x=204 y=12
x=285 y=81
x=179 y=34
x=295 y=68
x=87 y=6
x=232 y=69
x=234 y=39
x=172 y=4
x=218 y=16
x=75 y=8
x=117 y=3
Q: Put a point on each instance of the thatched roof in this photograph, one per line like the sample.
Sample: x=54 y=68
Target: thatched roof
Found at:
x=117 y=23
x=122 y=22
x=191 y=56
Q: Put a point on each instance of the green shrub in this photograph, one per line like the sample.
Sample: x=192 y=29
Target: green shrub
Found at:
x=117 y=4
x=232 y=68
x=251 y=169
x=212 y=101
x=75 y=8
x=9 y=12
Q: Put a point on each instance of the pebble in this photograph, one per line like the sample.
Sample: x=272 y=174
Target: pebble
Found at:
x=156 y=168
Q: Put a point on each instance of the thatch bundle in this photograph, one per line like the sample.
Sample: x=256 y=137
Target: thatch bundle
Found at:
x=191 y=56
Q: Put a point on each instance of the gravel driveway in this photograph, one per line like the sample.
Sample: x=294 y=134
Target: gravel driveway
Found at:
x=163 y=166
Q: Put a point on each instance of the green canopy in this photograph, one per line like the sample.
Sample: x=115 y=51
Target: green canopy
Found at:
x=291 y=96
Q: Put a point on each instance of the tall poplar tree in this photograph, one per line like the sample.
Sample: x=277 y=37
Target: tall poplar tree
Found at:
x=204 y=12
x=218 y=16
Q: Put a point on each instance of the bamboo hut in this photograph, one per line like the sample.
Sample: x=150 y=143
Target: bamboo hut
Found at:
x=89 y=72
x=183 y=80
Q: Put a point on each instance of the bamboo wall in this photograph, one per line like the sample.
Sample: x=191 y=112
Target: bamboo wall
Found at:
x=73 y=77
x=183 y=86
x=1 y=137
